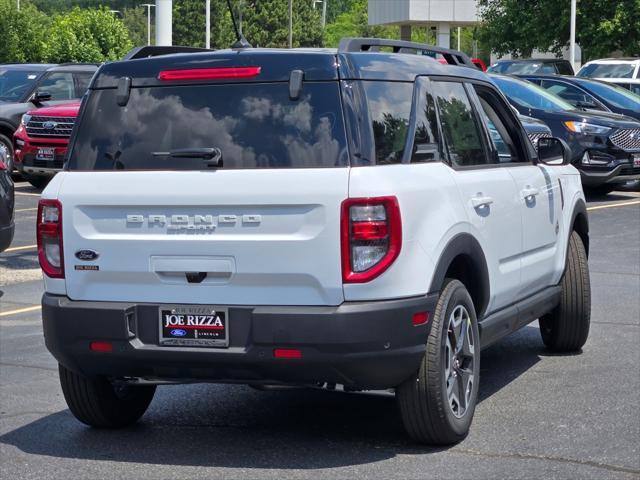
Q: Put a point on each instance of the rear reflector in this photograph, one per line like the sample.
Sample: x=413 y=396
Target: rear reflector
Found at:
x=210 y=73
x=287 y=353
x=420 y=318
x=101 y=346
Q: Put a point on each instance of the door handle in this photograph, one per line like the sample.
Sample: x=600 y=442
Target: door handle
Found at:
x=481 y=201
x=530 y=192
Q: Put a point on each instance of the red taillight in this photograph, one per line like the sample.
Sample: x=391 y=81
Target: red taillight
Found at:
x=287 y=353
x=371 y=231
x=210 y=73
x=420 y=318
x=101 y=346
x=49 y=235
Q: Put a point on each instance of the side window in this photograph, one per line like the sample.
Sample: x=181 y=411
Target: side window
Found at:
x=573 y=95
x=501 y=127
x=82 y=82
x=459 y=124
x=547 y=68
x=59 y=85
x=564 y=68
x=389 y=109
x=425 y=140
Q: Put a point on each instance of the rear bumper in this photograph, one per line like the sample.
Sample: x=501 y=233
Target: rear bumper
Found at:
x=369 y=345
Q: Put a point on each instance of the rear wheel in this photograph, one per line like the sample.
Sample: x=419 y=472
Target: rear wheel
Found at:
x=99 y=403
x=438 y=402
x=566 y=328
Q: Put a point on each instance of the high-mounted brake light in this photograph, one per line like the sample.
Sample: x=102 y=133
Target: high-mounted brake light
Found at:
x=49 y=235
x=210 y=73
x=371 y=231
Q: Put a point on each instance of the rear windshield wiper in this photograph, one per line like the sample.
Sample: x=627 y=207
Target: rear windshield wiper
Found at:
x=212 y=155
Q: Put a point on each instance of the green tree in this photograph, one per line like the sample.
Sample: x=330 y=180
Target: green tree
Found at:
x=266 y=23
x=135 y=20
x=91 y=35
x=603 y=26
x=189 y=23
x=355 y=23
x=22 y=33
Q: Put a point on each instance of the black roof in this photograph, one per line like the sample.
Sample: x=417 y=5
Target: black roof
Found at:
x=532 y=60
x=566 y=78
x=277 y=64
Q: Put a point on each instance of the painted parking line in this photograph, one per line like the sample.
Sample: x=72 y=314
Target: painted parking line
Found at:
x=20 y=310
x=614 y=205
x=19 y=249
x=25 y=209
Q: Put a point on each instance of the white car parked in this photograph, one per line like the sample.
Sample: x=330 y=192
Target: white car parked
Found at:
x=309 y=217
x=624 y=72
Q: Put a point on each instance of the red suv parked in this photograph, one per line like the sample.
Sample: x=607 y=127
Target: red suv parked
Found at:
x=40 y=142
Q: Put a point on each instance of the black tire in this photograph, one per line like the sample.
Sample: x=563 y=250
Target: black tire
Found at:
x=425 y=407
x=97 y=403
x=8 y=144
x=37 y=181
x=566 y=328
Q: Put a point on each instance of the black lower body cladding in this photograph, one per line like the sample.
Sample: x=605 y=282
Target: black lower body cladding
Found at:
x=366 y=345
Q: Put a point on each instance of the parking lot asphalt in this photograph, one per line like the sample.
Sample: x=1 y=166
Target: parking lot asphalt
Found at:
x=540 y=415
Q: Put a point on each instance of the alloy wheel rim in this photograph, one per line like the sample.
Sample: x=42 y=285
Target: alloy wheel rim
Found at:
x=459 y=361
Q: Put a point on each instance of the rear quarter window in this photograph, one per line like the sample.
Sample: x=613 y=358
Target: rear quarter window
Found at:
x=253 y=125
x=389 y=107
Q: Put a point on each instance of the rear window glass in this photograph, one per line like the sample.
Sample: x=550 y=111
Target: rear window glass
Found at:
x=253 y=126
x=389 y=108
x=607 y=70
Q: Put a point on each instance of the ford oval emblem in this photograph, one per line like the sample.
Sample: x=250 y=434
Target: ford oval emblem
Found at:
x=49 y=125
x=87 y=255
x=178 y=332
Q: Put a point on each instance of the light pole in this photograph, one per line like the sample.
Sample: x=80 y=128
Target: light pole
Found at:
x=572 y=40
x=324 y=10
x=207 y=36
x=18 y=4
x=290 y=23
x=148 y=5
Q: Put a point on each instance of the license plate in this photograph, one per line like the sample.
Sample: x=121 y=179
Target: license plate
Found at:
x=46 y=154
x=194 y=326
x=635 y=158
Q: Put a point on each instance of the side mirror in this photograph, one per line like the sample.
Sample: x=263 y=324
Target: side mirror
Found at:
x=40 y=97
x=553 y=151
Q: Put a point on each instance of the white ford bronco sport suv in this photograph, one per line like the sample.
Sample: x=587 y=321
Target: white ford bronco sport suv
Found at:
x=365 y=217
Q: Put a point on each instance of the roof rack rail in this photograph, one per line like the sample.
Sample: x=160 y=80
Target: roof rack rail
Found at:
x=453 y=57
x=155 y=51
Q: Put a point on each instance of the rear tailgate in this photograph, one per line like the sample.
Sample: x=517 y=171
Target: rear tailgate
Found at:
x=263 y=237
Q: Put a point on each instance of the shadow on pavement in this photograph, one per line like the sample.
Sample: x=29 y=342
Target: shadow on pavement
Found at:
x=235 y=426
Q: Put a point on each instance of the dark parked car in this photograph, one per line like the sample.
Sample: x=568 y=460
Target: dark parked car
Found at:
x=532 y=65
x=536 y=129
x=24 y=87
x=605 y=146
x=590 y=94
x=6 y=203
